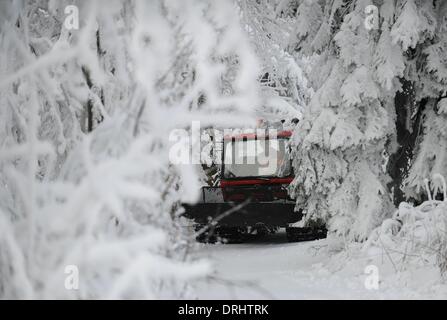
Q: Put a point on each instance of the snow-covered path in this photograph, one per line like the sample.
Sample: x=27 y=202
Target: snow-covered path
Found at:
x=267 y=268
x=272 y=268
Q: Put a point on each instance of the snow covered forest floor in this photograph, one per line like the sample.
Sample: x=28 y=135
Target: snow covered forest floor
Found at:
x=272 y=268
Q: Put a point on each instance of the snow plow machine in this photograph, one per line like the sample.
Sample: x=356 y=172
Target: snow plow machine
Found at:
x=251 y=198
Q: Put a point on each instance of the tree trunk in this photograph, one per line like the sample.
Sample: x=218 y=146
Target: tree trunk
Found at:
x=408 y=121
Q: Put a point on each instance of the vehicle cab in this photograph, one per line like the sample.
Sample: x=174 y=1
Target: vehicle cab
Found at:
x=256 y=167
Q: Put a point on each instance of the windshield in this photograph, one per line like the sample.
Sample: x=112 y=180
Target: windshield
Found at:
x=256 y=158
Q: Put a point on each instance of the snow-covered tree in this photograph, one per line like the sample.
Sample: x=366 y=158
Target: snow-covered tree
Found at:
x=348 y=133
x=348 y=128
x=85 y=120
x=270 y=27
x=426 y=69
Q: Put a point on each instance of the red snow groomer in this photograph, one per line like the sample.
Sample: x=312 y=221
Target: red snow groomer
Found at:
x=252 y=197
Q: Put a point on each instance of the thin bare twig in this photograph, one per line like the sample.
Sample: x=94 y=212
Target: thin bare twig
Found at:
x=214 y=222
x=388 y=255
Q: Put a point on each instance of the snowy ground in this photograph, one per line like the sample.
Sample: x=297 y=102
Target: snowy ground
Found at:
x=272 y=268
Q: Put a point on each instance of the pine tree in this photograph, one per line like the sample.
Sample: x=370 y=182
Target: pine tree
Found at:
x=344 y=139
x=349 y=128
x=427 y=70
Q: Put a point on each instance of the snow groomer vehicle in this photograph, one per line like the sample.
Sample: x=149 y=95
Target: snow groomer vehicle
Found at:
x=251 y=197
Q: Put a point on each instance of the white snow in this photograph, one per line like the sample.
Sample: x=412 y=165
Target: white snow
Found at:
x=272 y=268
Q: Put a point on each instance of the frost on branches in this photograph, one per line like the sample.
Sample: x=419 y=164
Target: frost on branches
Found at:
x=342 y=140
x=427 y=69
x=344 y=143
x=85 y=117
x=414 y=236
x=269 y=27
